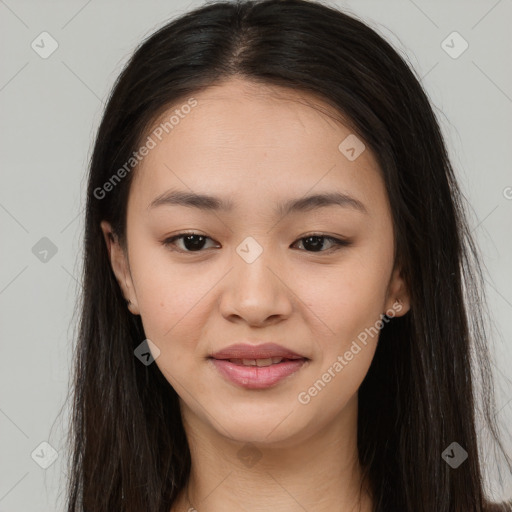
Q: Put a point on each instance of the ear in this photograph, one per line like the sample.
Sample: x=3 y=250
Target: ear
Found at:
x=118 y=260
x=398 y=301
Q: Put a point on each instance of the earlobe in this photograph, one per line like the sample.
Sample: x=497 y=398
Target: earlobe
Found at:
x=119 y=263
x=398 y=298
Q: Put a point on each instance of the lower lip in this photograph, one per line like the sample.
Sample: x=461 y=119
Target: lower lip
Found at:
x=257 y=377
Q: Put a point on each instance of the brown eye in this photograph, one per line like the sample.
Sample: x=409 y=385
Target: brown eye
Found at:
x=192 y=242
x=316 y=243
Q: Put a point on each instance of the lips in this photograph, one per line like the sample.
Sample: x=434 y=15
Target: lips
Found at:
x=243 y=351
x=257 y=366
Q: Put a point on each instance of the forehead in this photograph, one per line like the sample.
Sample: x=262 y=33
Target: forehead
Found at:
x=251 y=141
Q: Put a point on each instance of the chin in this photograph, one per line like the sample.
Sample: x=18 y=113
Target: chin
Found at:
x=272 y=426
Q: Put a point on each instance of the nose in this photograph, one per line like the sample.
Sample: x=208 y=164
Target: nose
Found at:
x=258 y=293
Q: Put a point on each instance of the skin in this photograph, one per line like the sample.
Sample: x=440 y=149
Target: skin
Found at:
x=258 y=145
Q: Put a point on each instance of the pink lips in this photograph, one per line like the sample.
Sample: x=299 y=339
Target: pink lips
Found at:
x=256 y=377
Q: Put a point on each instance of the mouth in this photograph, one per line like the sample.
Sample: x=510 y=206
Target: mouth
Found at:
x=257 y=366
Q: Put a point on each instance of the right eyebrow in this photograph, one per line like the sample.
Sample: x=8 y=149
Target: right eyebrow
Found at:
x=192 y=200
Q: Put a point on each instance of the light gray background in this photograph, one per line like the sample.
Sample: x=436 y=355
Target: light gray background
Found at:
x=50 y=109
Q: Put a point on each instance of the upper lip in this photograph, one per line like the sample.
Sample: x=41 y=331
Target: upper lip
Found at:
x=261 y=351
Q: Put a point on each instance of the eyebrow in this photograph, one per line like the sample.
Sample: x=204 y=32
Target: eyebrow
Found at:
x=212 y=203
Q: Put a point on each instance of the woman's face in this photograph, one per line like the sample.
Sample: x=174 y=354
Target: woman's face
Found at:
x=255 y=277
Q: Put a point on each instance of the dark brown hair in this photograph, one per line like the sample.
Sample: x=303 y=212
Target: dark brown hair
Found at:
x=129 y=448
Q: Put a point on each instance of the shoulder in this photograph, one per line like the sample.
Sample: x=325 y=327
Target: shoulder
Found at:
x=498 y=507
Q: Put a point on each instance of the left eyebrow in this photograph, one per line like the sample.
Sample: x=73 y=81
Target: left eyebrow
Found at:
x=212 y=203
x=316 y=201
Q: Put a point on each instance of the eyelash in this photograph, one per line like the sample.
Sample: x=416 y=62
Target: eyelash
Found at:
x=338 y=243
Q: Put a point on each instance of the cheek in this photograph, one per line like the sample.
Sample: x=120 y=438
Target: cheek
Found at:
x=173 y=299
x=345 y=299
x=349 y=305
x=173 y=307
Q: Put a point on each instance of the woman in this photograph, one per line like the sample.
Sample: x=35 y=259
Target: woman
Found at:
x=277 y=278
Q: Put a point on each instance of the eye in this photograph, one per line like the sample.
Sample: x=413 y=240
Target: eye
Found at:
x=316 y=242
x=194 y=242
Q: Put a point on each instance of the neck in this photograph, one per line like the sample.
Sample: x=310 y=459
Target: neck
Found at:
x=318 y=473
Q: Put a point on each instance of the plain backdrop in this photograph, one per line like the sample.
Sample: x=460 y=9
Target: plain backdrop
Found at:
x=50 y=109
